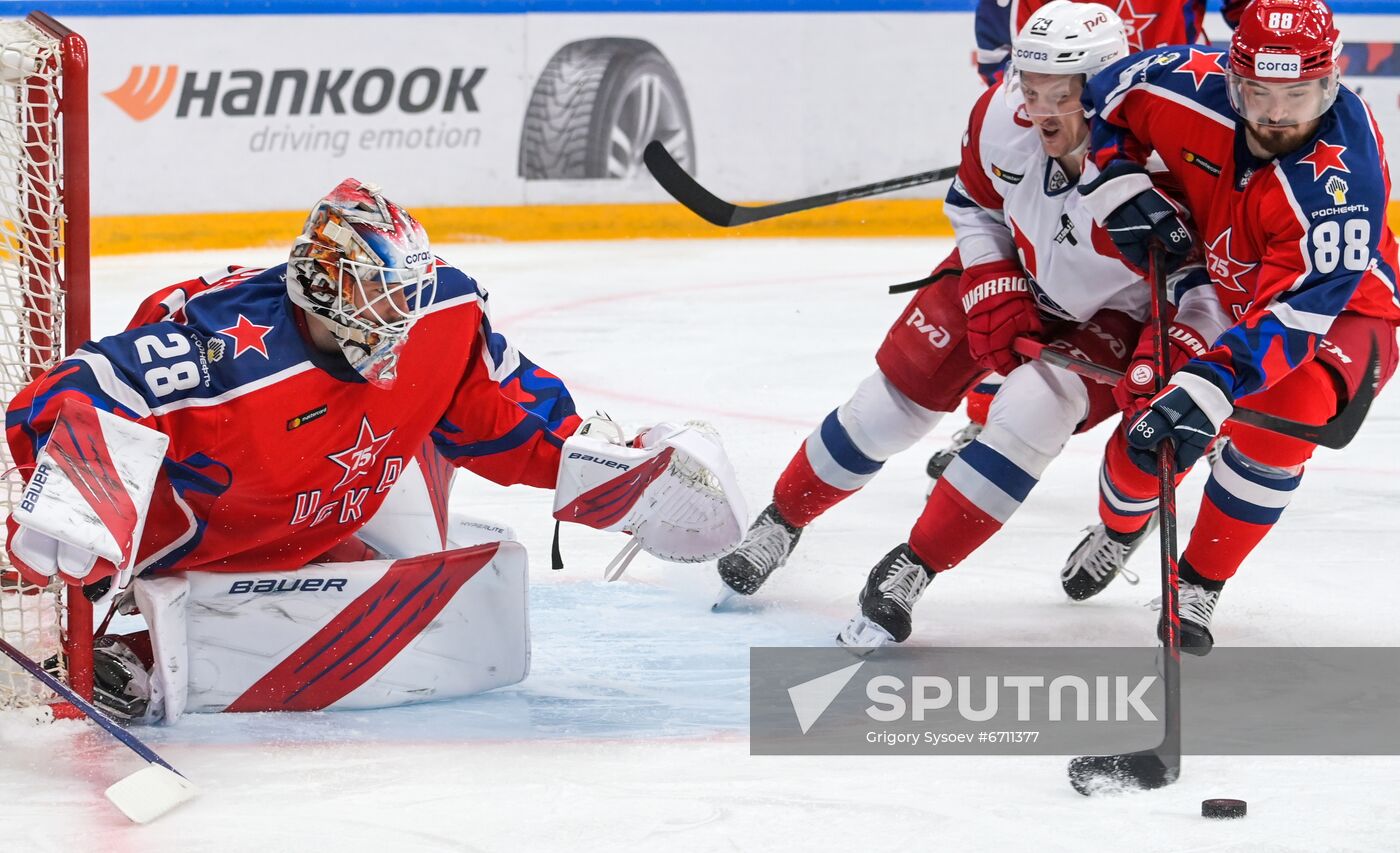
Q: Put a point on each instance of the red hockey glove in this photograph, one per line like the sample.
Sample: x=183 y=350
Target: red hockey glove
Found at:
x=1000 y=308
x=1140 y=379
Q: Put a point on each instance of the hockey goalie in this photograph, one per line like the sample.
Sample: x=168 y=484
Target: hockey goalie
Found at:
x=259 y=466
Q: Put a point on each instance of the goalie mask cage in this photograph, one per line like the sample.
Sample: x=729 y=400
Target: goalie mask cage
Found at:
x=44 y=309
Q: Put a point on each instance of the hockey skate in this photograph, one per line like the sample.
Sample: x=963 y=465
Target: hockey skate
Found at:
x=939 y=462
x=120 y=682
x=1099 y=558
x=766 y=546
x=887 y=602
x=1196 y=605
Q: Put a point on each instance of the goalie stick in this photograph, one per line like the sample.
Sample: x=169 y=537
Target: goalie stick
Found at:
x=1335 y=434
x=715 y=210
x=142 y=796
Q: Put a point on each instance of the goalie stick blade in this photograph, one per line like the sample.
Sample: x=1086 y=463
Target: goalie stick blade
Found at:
x=1146 y=770
x=150 y=792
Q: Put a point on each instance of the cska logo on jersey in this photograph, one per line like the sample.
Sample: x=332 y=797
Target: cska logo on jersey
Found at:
x=358 y=460
x=1135 y=23
x=1224 y=268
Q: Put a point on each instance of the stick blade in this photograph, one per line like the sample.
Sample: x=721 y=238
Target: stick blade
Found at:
x=1095 y=774
x=150 y=792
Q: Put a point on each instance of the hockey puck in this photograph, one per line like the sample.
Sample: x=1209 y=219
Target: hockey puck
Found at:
x=1222 y=808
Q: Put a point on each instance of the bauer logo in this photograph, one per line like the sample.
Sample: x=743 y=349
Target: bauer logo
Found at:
x=606 y=463
x=267 y=585
x=1281 y=66
x=35 y=489
x=296 y=91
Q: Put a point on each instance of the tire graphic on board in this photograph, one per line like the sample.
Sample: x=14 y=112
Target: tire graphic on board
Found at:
x=595 y=107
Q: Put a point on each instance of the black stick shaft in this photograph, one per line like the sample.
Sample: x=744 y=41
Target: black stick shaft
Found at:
x=127 y=738
x=1170 y=750
x=715 y=210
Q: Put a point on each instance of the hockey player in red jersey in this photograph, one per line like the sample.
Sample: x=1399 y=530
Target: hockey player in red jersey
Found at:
x=1283 y=174
x=281 y=410
x=1148 y=24
x=1031 y=263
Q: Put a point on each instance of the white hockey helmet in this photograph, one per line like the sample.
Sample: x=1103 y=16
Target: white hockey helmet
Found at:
x=362 y=267
x=1064 y=37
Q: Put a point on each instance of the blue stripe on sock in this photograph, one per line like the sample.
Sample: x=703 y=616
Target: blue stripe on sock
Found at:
x=1239 y=463
x=838 y=443
x=1239 y=508
x=999 y=470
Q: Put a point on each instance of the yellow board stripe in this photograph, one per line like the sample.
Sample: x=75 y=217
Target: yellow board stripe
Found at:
x=120 y=235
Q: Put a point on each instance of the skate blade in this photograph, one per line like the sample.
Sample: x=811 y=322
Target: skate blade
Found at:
x=725 y=598
x=861 y=636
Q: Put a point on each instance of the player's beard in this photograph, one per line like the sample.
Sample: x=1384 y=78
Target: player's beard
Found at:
x=1276 y=141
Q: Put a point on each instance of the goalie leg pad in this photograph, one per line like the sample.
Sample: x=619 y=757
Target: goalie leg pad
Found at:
x=353 y=635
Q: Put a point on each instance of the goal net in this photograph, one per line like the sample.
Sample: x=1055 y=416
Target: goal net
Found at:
x=43 y=305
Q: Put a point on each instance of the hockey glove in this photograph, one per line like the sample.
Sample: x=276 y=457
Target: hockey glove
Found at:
x=1140 y=379
x=1000 y=308
x=1190 y=411
x=1135 y=213
x=84 y=508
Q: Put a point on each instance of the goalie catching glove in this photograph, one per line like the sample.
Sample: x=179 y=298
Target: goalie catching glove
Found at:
x=84 y=508
x=671 y=487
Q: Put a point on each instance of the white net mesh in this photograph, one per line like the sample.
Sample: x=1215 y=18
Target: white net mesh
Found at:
x=31 y=305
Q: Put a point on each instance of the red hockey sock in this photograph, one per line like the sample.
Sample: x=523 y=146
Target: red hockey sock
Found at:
x=800 y=494
x=950 y=528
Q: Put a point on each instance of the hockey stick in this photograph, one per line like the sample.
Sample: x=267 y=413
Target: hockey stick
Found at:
x=715 y=210
x=1335 y=434
x=144 y=795
x=1161 y=765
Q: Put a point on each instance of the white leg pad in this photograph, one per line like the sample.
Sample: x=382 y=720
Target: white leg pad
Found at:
x=372 y=634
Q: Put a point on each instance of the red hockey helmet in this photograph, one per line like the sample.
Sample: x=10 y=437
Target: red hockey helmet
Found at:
x=1278 y=47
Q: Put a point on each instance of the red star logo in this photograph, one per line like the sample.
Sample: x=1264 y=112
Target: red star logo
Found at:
x=247 y=335
x=1135 y=24
x=1324 y=157
x=359 y=459
x=1201 y=65
x=1224 y=268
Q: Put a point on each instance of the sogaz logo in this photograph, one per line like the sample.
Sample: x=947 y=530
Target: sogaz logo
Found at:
x=1282 y=66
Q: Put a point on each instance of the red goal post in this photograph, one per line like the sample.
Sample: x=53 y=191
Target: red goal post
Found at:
x=44 y=304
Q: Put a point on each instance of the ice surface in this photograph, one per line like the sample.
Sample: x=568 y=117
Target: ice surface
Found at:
x=631 y=732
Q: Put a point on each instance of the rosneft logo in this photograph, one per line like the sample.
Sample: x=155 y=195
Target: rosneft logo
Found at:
x=296 y=91
x=145 y=91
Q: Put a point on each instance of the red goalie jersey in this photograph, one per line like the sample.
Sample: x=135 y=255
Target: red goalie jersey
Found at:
x=279 y=451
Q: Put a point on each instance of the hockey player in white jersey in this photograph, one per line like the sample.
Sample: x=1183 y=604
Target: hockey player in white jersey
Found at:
x=1031 y=264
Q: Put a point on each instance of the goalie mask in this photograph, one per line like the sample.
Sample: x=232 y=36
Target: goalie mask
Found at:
x=362 y=267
